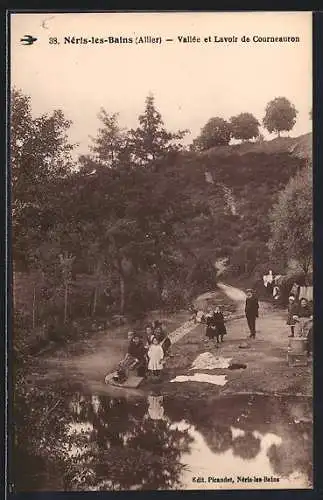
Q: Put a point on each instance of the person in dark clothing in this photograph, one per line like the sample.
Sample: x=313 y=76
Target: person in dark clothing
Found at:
x=292 y=311
x=136 y=358
x=220 y=329
x=210 y=327
x=162 y=337
x=304 y=318
x=251 y=312
x=138 y=351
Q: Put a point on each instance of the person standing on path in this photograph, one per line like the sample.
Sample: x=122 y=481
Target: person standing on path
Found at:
x=210 y=332
x=251 y=312
x=292 y=311
x=155 y=356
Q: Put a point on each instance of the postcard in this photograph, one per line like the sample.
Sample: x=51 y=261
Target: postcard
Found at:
x=161 y=169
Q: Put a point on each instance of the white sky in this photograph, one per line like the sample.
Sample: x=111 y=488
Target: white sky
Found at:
x=191 y=82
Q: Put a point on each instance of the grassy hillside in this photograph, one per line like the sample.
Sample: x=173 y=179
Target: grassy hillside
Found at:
x=235 y=188
x=297 y=146
x=231 y=196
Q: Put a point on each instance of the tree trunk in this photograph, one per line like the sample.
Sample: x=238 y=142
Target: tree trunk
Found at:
x=278 y=133
x=95 y=300
x=160 y=285
x=34 y=307
x=65 y=302
x=122 y=293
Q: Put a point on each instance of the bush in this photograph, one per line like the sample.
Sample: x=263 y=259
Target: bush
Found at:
x=203 y=276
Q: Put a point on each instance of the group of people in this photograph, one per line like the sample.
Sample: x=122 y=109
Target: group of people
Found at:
x=145 y=353
x=215 y=326
x=214 y=321
x=300 y=319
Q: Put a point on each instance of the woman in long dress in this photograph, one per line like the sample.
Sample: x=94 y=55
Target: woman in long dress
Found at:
x=210 y=332
x=155 y=356
x=219 y=324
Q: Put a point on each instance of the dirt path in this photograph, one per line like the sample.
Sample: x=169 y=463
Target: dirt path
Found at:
x=233 y=293
x=267 y=370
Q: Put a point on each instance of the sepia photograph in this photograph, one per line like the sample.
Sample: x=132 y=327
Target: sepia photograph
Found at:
x=162 y=270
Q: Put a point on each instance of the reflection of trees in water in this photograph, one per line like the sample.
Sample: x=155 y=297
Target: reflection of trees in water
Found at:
x=124 y=448
x=149 y=457
x=247 y=446
x=94 y=443
x=252 y=413
x=136 y=451
x=39 y=437
x=217 y=437
x=295 y=452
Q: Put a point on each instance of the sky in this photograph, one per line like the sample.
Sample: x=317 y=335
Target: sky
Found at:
x=191 y=82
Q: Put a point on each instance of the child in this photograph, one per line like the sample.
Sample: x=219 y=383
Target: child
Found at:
x=210 y=327
x=130 y=336
x=291 y=312
x=149 y=335
x=219 y=324
x=155 y=356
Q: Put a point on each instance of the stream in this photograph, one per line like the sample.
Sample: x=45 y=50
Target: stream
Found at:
x=81 y=442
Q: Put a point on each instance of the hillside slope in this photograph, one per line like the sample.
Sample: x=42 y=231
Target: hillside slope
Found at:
x=236 y=188
x=298 y=146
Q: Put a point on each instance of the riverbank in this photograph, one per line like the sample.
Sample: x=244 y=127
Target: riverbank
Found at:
x=265 y=358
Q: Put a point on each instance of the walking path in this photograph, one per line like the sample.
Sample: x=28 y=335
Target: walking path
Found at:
x=267 y=369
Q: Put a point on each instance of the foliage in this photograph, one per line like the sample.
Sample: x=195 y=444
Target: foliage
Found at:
x=40 y=155
x=150 y=141
x=244 y=126
x=280 y=115
x=292 y=220
x=110 y=145
x=216 y=132
x=147 y=233
x=247 y=256
x=82 y=443
x=203 y=275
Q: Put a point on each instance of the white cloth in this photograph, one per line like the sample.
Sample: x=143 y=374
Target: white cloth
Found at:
x=306 y=292
x=268 y=278
x=206 y=361
x=155 y=355
x=202 y=377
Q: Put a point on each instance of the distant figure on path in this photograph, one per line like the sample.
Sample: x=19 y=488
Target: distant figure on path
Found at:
x=251 y=312
x=210 y=327
x=292 y=311
x=304 y=318
x=219 y=324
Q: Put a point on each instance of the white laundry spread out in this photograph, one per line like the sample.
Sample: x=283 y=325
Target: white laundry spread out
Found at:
x=202 y=377
x=207 y=361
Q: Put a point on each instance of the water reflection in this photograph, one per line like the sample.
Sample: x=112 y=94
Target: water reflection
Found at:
x=79 y=442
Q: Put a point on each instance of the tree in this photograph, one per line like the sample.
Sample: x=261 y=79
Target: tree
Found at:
x=111 y=142
x=280 y=115
x=292 y=221
x=40 y=156
x=151 y=141
x=216 y=132
x=244 y=126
